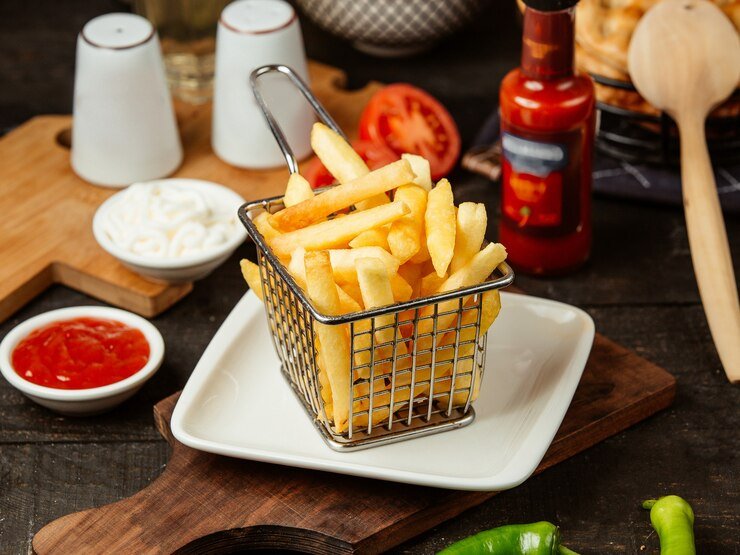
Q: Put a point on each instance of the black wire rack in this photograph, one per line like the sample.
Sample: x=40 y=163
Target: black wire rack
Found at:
x=637 y=137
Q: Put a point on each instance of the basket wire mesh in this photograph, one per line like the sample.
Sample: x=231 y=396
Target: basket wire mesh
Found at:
x=415 y=367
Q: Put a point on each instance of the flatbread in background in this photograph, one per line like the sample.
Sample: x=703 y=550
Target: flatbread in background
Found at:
x=603 y=32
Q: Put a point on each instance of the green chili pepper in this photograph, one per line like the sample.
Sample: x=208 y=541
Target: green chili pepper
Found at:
x=539 y=538
x=673 y=519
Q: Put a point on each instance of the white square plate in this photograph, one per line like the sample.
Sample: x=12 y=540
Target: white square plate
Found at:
x=238 y=404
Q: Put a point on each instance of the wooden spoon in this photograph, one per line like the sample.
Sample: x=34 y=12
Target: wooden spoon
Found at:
x=684 y=58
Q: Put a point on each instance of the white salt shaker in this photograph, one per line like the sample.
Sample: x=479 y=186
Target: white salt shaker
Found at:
x=124 y=128
x=253 y=33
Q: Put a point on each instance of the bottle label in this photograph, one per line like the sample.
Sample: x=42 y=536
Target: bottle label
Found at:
x=535 y=182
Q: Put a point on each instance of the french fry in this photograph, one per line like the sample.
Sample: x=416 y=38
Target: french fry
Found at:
x=420 y=167
x=343 y=262
x=297 y=190
x=406 y=234
x=379 y=254
x=361 y=389
x=338 y=233
x=423 y=254
x=490 y=308
x=262 y=223
x=342 y=196
x=372 y=202
x=376 y=292
x=347 y=302
x=324 y=384
x=375 y=284
x=342 y=161
x=411 y=273
x=375 y=287
x=439 y=221
x=377 y=237
x=353 y=291
x=402 y=291
x=430 y=284
x=336 y=154
x=427 y=267
x=381 y=402
x=251 y=273
x=470 y=232
x=297 y=269
x=475 y=271
x=334 y=339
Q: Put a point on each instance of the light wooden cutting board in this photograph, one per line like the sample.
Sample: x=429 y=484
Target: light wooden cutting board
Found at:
x=46 y=225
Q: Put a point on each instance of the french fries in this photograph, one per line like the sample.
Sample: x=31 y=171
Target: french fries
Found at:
x=342 y=161
x=337 y=233
x=262 y=223
x=297 y=263
x=351 y=249
x=471 y=230
x=343 y=262
x=406 y=234
x=402 y=291
x=490 y=308
x=334 y=339
x=439 y=220
x=420 y=166
x=336 y=154
x=297 y=190
x=377 y=237
x=251 y=273
x=430 y=284
x=375 y=287
x=411 y=273
x=342 y=196
x=475 y=271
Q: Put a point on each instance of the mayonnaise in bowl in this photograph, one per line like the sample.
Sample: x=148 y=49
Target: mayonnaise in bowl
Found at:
x=162 y=228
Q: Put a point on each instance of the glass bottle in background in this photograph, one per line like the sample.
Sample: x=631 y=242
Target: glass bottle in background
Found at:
x=547 y=134
x=187 y=32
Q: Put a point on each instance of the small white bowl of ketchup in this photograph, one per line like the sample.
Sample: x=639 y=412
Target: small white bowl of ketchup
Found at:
x=81 y=360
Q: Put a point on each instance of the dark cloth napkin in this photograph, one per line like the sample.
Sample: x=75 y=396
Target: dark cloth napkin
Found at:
x=612 y=177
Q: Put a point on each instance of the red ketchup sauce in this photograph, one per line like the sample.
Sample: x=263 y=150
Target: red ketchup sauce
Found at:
x=80 y=353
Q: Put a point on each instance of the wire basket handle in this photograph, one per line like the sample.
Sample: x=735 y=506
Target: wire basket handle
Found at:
x=277 y=132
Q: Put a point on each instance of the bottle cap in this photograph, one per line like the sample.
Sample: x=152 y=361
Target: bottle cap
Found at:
x=550 y=5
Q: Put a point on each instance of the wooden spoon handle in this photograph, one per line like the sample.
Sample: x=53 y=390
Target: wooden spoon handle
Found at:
x=710 y=252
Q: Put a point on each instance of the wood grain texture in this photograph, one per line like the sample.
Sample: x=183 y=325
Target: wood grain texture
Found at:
x=638 y=286
x=684 y=58
x=48 y=210
x=205 y=503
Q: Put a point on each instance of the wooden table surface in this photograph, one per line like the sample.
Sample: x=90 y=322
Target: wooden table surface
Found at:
x=638 y=286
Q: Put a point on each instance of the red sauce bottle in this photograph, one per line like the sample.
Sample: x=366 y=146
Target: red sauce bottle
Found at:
x=547 y=131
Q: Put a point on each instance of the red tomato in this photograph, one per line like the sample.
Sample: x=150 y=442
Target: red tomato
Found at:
x=375 y=155
x=407 y=119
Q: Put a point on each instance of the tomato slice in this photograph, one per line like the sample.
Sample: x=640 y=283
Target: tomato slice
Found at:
x=375 y=156
x=407 y=119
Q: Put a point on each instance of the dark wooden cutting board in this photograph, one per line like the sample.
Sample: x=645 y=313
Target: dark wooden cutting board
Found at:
x=204 y=503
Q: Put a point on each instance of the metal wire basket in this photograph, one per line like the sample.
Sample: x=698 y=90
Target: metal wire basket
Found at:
x=415 y=366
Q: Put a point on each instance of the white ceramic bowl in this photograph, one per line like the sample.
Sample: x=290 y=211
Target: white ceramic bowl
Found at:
x=174 y=270
x=82 y=402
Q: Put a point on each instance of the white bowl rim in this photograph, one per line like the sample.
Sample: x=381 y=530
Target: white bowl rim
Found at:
x=181 y=262
x=22 y=330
